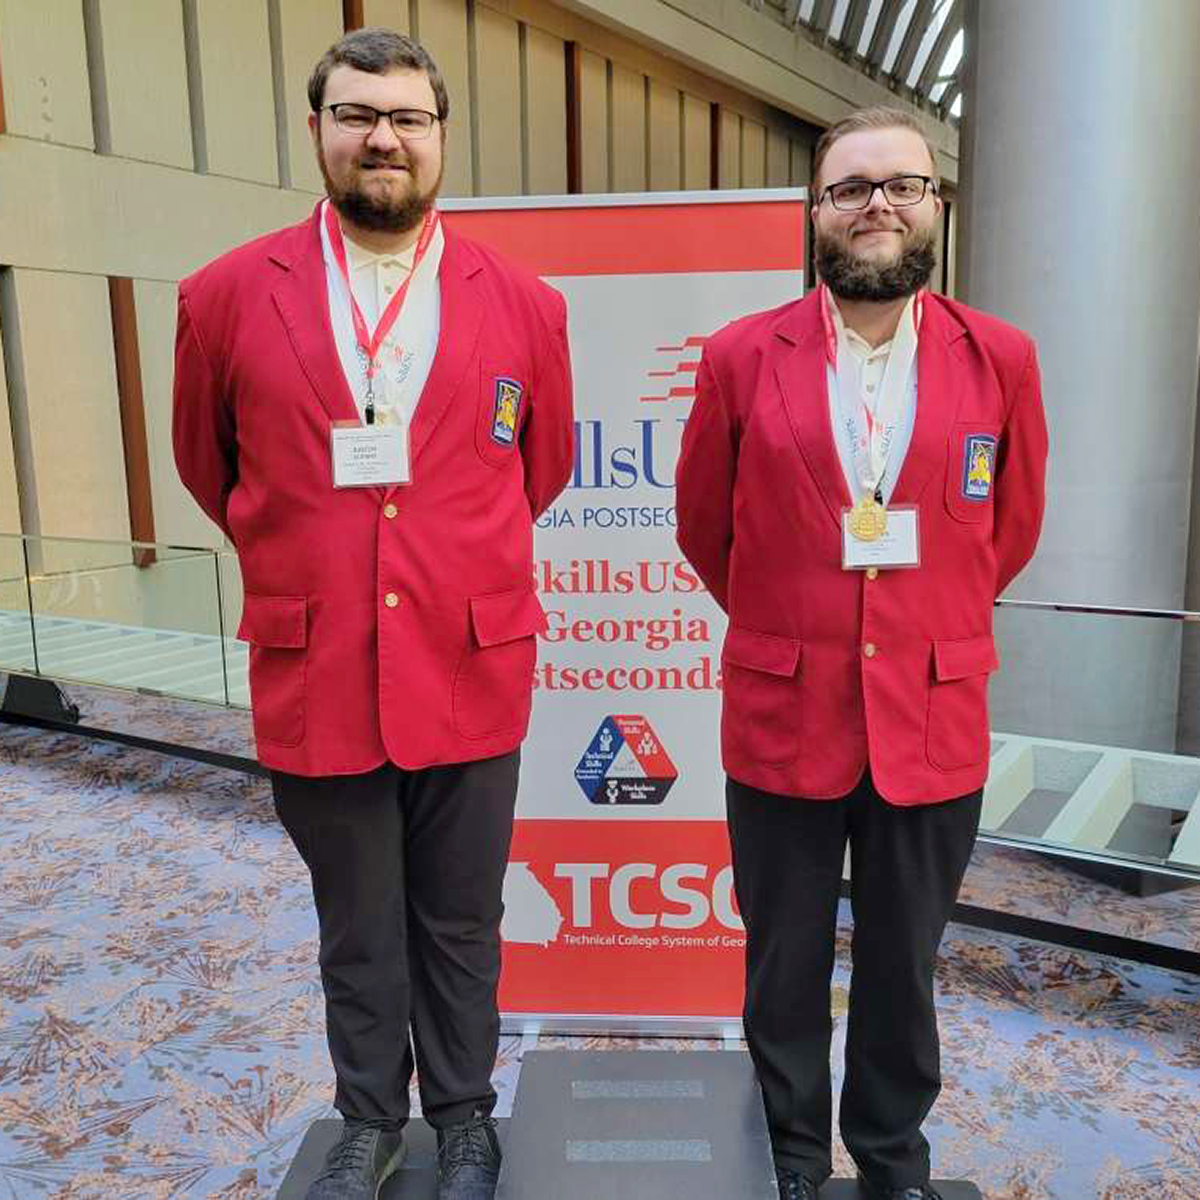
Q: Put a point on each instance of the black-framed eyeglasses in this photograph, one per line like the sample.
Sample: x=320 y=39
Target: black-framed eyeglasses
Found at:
x=361 y=120
x=900 y=191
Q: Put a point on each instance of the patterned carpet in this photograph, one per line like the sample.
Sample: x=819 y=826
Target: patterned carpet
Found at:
x=161 y=1020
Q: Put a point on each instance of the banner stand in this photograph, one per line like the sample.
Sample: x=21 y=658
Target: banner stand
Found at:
x=619 y=908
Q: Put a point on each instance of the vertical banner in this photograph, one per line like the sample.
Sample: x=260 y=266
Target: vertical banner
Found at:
x=619 y=896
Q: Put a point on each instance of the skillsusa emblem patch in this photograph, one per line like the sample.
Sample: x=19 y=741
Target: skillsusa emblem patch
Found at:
x=979 y=464
x=506 y=411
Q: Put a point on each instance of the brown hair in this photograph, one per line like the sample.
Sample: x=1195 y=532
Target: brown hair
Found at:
x=377 y=51
x=878 y=116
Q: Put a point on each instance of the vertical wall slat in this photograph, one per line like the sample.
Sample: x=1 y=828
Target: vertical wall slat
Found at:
x=441 y=26
x=593 y=123
x=132 y=407
x=628 y=126
x=731 y=149
x=389 y=14
x=233 y=64
x=544 y=85
x=10 y=488
x=572 y=77
x=697 y=143
x=754 y=154
x=305 y=33
x=499 y=105
x=778 y=159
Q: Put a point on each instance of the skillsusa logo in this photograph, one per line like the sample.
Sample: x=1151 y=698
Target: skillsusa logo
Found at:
x=625 y=764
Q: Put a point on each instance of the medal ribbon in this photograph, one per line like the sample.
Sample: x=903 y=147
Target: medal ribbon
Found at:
x=871 y=433
x=370 y=343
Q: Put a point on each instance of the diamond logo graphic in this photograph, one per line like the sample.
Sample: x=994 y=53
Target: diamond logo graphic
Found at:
x=625 y=764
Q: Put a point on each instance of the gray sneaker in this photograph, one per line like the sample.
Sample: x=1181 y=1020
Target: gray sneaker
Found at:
x=468 y=1160
x=356 y=1168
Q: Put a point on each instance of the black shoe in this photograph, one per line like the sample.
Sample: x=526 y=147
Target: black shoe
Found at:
x=468 y=1160
x=877 y=1192
x=794 y=1186
x=355 y=1169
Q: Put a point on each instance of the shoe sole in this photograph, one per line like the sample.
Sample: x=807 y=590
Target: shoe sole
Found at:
x=392 y=1165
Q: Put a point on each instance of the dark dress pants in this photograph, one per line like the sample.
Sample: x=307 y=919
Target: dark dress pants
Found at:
x=407 y=872
x=906 y=868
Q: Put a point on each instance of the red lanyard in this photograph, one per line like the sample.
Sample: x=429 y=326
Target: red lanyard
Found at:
x=831 y=331
x=369 y=343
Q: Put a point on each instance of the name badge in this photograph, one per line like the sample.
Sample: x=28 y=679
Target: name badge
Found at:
x=370 y=455
x=899 y=545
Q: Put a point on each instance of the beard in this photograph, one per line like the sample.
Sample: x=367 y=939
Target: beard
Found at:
x=379 y=210
x=851 y=277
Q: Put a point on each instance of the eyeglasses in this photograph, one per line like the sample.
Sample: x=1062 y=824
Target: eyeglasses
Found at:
x=900 y=191
x=361 y=120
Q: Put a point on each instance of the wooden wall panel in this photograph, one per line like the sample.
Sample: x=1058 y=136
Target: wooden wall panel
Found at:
x=442 y=30
x=499 y=98
x=754 y=154
x=801 y=169
x=306 y=31
x=145 y=95
x=390 y=14
x=177 y=517
x=128 y=361
x=43 y=58
x=10 y=509
x=664 y=135
x=233 y=44
x=593 y=122
x=697 y=143
x=546 y=109
x=779 y=166
x=71 y=406
x=729 y=141
x=628 y=130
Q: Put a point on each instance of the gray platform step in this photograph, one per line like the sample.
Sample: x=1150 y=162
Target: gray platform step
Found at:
x=628 y=1125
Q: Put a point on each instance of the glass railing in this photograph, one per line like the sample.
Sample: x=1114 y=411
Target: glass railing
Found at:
x=1095 y=713
x=137 y=615
x=1096 y=734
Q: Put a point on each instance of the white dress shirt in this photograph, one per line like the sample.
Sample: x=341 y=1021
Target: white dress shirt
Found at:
x=407 y=354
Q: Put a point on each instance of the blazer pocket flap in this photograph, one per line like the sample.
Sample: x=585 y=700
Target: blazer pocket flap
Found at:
x=964 y=657
x=506 y=616
x=280 y=622
x=766 y=652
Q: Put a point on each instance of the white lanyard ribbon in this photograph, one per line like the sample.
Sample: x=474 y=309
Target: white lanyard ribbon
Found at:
x=871 y=432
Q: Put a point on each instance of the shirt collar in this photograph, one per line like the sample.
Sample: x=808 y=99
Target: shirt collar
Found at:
x=358 y=258
x=836 y=333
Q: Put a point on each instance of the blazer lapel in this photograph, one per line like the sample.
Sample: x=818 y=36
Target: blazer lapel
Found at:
x=302 y=298
x=803 y=381
x=458 y=334
x=937 y=403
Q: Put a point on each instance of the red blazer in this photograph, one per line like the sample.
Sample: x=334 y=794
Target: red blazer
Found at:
x=806 y=708
x=391 y=623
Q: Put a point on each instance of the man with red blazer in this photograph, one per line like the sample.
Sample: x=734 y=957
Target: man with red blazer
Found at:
x=374 y=411
x=862 y=474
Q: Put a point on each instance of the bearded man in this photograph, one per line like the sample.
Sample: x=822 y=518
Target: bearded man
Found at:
x=862 y=474
x=374 y=411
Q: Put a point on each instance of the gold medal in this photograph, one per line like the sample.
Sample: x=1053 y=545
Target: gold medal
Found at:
x=868 y=520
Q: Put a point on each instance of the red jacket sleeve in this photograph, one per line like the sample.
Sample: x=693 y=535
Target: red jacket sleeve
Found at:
x=202 y=423
x=548 y=435
x=1020 y=477
x=704 y=480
